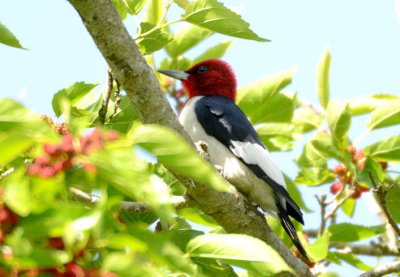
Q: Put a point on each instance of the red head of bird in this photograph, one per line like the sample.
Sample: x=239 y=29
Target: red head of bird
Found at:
x=210 y=77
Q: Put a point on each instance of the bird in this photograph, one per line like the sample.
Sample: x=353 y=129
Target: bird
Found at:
x=211 y=116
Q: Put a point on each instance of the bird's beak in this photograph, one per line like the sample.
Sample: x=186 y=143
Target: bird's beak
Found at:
x=180 y=75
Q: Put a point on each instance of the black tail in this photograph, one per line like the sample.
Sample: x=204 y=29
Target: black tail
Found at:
x=289 y=228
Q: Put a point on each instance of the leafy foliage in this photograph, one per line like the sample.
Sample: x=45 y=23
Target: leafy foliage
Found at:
x=43 y=164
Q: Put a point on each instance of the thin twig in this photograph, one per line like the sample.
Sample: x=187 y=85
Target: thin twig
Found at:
x=321 y=200
x=104 y=107
x=117 y=99
x=381 y=193
x=383 y=270
x=179 y=202
x=333 y=210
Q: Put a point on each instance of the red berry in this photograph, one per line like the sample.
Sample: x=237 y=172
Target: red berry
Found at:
x=90 y=167
x=340 y=169
x=56 y=243
x=109 y=274
x=42 y=161
x=73 y=270
x=46 y=119
x=336 y=187
x=67 y=144
x=351 y=149
x=1 y=236
x=358 y=156
x=34 y=169
x=33 y=272
x=384 y=165
x=360 y=190
x=52 y=150
x=61 y=128
x=111 y=135
x=47 y=172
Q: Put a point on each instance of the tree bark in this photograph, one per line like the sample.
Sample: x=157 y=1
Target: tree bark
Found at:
x=232 y=211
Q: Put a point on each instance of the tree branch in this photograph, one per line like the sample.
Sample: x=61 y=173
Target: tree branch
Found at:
x=381 y=193
x=383 y=270
x=180 y=202
x=104 y=106
x=232 y=211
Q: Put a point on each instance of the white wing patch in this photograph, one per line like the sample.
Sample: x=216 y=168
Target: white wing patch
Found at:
x=253 y=153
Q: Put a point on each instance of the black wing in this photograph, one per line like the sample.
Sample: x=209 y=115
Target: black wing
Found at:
x=222 y=119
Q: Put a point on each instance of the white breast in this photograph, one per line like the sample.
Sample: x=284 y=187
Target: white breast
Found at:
x=236 y=172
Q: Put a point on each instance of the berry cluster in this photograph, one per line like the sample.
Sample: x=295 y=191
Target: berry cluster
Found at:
x=60 y=128
x=344 y=174
x=60 y=157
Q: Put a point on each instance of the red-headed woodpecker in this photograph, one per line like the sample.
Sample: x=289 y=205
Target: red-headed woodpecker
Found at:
x=212 y=116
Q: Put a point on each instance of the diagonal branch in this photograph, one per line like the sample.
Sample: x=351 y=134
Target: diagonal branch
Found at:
x=180 y=202
x=383 y=270
x=381 y=193
x=232 y=211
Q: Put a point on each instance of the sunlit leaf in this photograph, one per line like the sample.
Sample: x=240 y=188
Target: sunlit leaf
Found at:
x=385 y=150
x=151 y=41
x=314 y=176
x=8 y=38
x=323 y=78
x=368 y=103
x=353 y=260
x=155 y=10
x=393 y=200
x=349 y=206
x=215 y=52
x=277 y=136
x=339 y=118
x=213 y=15
x=177 y=155
x=254 y=98
x=186 y=37
x=385 y=115
x=73 y=93
x=239 y=250
x=319 y=249
x=346 y=232
x=306 y=120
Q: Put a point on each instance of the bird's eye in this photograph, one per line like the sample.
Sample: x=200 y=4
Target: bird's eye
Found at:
x=202 y=69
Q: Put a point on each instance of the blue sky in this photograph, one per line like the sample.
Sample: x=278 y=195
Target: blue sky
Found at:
x=363 y=36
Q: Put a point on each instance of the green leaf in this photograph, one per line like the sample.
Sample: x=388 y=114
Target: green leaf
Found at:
x=155 y=10
x=121 y=7
x=125 y=117
x=182 y=3
x=375 y=168
x=177 y=155
x=213 y=15
x=198 y=217
x=319 y=249
x=187 y=36
x=295 y=194
x=277 y=136
x=353 y=260
x=311 y=157
x=366 y=104
x=13 y=144
x=349 y=206
x=7 y=38
x=73 y=93
x=393 y=200
x=323 y=78
x=240 y=250
x=314 y=176
x=280 y=108
x=385 y=150
x=135 y=6
x=215 y=52
x=180 y=63
x=306 y=120
x=326 y=146
x=346 y=232
x=253 y=98
x=152 y=41
x=385 y=115
x=339 y=118
x=17 y=192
